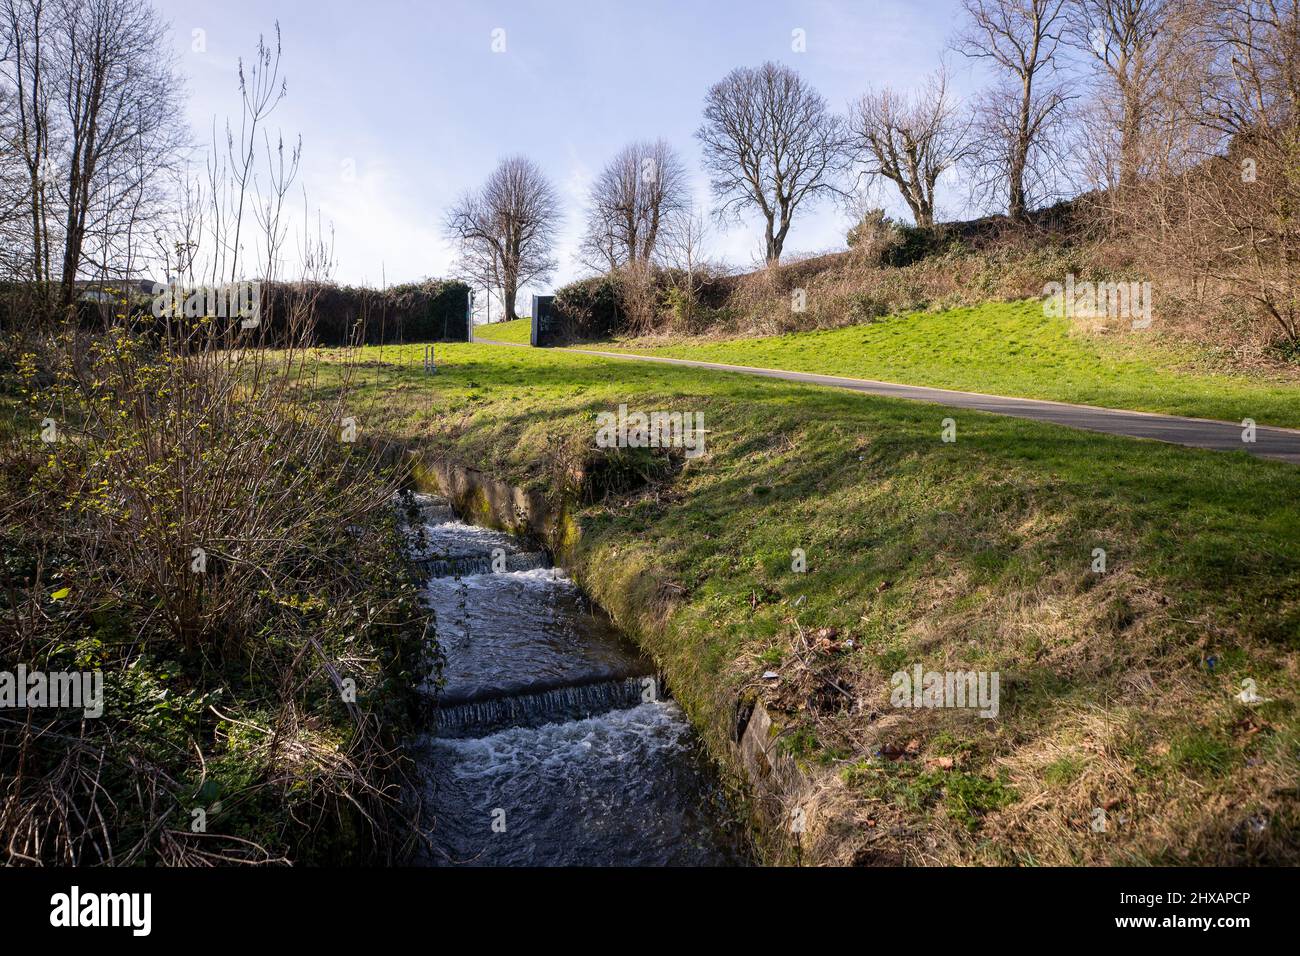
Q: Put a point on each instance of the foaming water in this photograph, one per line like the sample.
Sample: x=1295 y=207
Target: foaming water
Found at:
x=553 y=745
x=627 y=787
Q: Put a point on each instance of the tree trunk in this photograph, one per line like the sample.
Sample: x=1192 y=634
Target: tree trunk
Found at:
x=1016 y=204
x=1020 y=155
x=1128 y=149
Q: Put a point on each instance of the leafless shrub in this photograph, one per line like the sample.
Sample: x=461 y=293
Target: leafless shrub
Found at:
x=687 y=268
x=172 y=502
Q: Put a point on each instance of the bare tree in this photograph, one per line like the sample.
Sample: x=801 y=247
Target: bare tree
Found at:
x=15 y=223
x=1252 y=80
x=117 y=92
x=770 y=144
x=24 y=58
x=1131 y=45
x=1016 y=143
x=94 y=124
x=911 y=140
x=1242 y=205
x=636 y=194
x=506 y=230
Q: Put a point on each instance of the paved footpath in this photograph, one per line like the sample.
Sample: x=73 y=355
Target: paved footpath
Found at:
x=1280 y=443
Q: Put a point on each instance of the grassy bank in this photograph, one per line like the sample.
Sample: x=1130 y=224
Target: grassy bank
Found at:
x=1012 y=349
x=1120 y=736
x=517 y=332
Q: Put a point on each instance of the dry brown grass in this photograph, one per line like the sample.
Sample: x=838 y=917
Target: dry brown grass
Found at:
x=1103 y=752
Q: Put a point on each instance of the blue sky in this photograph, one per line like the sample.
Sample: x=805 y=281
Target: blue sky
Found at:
x=412 y=97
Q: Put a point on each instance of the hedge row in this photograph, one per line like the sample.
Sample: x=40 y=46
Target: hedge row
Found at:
x=348 y=315
x=341 y=315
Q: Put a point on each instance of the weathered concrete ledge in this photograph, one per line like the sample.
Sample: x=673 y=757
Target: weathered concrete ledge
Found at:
x=776 y=789
x=490 y=502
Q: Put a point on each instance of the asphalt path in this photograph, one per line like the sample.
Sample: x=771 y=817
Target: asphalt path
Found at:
x=1282 y=444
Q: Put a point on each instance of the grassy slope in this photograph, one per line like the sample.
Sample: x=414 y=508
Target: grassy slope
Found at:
x=519 y=331
x=1011 y=349
x=1117 y=689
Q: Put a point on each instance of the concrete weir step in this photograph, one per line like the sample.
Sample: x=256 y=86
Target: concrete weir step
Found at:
x=477 y=716
x=465 y=565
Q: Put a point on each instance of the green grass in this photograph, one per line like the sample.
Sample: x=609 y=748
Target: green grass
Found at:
x=1012 y=349
x=974 y=555
x=518 y=332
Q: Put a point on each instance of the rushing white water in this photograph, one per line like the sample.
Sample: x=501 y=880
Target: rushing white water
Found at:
x=554 y=745
x=626 y=787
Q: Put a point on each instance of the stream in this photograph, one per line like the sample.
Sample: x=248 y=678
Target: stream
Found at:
x=554 y=743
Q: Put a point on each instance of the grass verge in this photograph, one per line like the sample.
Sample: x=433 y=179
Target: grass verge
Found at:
x=1012 y=348
x=518 y=332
